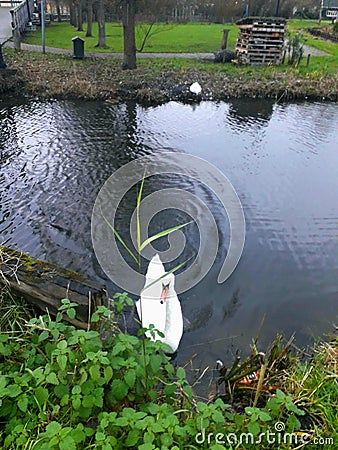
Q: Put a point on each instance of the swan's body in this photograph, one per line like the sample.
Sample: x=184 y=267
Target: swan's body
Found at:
x=160 y=306
x=195 y=88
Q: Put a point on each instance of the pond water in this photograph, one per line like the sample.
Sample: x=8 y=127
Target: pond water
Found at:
x=281 y=159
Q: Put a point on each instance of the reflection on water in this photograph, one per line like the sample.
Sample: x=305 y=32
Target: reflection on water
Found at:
x=281 y=159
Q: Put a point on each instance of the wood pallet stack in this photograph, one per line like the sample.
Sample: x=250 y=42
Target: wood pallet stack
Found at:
x=260 y=41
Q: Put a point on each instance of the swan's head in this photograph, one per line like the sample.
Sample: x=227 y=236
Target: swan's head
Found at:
x=167 y=289
x=160 y=289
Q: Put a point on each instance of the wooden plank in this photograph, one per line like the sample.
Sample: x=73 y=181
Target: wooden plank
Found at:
x=44 y=285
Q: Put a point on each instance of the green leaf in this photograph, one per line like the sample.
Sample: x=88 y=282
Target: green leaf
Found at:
x=76 y=401
x=88 y=401
x=130 y=378
x=23 y=403
x=62 y=361
x=87 y=387
x=67 y=443
x=52 y=429
x=13 y=390
x=99 y=436
x=3 y=382
x=138 y=223
x=76 y=389
x=78 y=434
x=95 y=372
x=188 y=391
x=95 y=317
x=217 y=417
x=44 y=335
x=180 y=373
x=71 y=313
x=119 y=238
x=280 y=394
x=155 y=363
x=119 y=389
x=153 y=408
x=293 y=423
x=162 y=233
x=5 y=350
x=264 y=416
x=41 y=395
x=217 y=446
x=52 y=378
x=121 y=422
x=157 y=428
x=169 y=390
x=62 y=345
x=254 y=428
x=293 y=408
x=147 y=446
x=64 y=400
x=132 y=438
x=61 y=390
x=74 y=339
x=108 y=373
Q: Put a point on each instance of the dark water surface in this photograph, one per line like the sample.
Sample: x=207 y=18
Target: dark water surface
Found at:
x=281 y=159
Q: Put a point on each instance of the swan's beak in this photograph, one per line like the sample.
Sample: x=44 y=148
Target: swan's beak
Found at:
x=164 y=293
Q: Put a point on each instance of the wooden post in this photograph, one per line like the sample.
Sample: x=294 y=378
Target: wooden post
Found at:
x=308 y=60
x=17 y=39
x=225 y=38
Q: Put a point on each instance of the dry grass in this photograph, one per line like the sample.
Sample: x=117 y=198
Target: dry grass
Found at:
x=155 y=81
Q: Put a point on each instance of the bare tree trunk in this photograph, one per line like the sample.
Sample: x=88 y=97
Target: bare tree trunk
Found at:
x=79 y=16
x=58 y=11
x=89 y=18
x=72 y=13
x=101 y=25
x=128 y=19
x=3 y=65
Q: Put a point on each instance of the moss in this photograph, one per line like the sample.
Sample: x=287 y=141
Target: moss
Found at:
x=31 y=264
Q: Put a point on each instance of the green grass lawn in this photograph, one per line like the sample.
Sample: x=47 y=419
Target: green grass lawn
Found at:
x=191 y=37
x=180 y=38
x=176 y=38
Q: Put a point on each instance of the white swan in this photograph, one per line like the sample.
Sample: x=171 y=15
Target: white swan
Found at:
x=195 y=88
x=160 y=306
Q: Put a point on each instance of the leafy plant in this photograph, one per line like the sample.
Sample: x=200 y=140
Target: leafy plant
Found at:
x=63 y=388
x=295 y=49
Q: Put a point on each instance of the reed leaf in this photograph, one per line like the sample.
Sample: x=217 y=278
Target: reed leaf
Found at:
x=119 y=238
x=138 y=223
x=161 y=234
x=164 y=275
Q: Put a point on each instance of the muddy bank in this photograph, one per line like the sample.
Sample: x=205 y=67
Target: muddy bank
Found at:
x=154 y=82
x=9 y=81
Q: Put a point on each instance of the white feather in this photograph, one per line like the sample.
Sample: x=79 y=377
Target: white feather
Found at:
x=167 y=316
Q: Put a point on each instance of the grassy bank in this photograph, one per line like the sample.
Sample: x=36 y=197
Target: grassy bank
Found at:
x=176 y=38
x=62 y=388
x=171 y=38
x=160 y=80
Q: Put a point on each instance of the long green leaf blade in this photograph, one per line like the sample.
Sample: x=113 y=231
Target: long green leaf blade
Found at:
x=161 y=234
x=138 y=224
x=165 y=274
x=119 y=238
